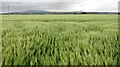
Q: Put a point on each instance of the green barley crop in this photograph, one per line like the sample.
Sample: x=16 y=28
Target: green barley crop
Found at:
x=60 y=39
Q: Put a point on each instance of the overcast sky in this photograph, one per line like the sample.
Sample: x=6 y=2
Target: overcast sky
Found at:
x=61 y=5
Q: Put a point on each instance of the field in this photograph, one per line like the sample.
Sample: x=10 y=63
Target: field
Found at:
x=60 y=39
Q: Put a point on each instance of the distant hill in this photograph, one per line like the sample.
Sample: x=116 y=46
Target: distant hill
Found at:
x=47 y=12
x=34 y=12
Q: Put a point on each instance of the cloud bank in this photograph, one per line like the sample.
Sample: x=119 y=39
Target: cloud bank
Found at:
x=61 y=5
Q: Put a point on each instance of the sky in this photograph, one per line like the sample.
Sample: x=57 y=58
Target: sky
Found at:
x=61 y=5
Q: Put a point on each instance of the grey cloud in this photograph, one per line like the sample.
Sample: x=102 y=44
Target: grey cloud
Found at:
x=85 y=5
x=22 y=6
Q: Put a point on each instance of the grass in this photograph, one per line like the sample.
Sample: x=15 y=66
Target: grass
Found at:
x=60 y=40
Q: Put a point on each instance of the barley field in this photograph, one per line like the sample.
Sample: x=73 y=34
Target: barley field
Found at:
x=88 y=39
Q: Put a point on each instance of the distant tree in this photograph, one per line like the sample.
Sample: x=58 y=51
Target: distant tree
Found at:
x=83 y=13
